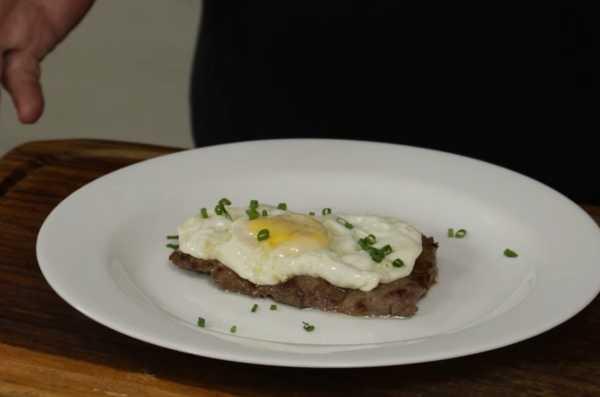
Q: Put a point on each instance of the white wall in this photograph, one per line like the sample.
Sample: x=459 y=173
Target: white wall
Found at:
x=123 y=74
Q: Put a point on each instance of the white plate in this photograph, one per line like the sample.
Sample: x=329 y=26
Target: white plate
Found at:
x=103 y=251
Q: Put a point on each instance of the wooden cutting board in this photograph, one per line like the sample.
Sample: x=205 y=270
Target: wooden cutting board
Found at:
x=47 y=348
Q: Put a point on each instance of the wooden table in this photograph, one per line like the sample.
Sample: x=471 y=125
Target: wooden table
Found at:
x=47 y=348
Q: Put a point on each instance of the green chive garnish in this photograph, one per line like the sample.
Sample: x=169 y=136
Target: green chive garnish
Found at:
x=172 y=237
x=273 y=307
x=252 y=213
x=254 y=308
x=224 y=201
x=364 y=244
x=398 y=263
x=450 y=233
x=204 y=213
x=221 y=210
x=326 y=211
x=173 y=246
x=282 y=206
x=460 y=233
x=201 y=322
x=265 y=213
x=262 y=235
x=376 y=254
x=308 y=327
x=367 y=242
x=510 y=253
x=233 y=329
x=344 y=222
x=387 y=249
x=311 y=213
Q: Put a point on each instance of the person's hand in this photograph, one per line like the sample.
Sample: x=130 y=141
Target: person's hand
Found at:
x=29 y=30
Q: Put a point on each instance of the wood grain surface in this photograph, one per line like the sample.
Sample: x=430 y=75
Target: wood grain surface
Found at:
x=47 y=348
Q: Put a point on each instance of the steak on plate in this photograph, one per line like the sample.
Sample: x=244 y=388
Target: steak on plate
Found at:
x=397 y=298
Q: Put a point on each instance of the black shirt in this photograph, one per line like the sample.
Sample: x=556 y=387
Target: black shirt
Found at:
x=487 y=82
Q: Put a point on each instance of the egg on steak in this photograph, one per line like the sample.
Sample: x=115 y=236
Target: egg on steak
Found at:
x=268 y=245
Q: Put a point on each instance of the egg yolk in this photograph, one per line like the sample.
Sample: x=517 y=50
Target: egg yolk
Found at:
x=296 y=233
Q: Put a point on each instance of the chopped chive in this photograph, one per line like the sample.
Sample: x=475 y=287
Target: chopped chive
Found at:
x=282 y=206
x=265 y=213
x=364 y=244
x=224 y=201
x=201 y=322
x=344 y=222
x=253 y=210
x=220 y=210
x=376 y=254
x=273 y=307
x=262 y=235
x=308 y=327
x=460 y=233
x=204 y=213
x=173 y=246
x=326 y=211
x=450 y=233
x=254 y=308
x=367 y=242
x=311 y=213
x=398 y=263
x=252 y=213
x=387 y=249
x=172 y=237
x=233 y=329
x=510 y=253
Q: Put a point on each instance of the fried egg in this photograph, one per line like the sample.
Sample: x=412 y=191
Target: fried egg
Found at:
x=271 y=249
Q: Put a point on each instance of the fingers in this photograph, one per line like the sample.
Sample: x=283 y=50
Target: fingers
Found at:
x=21 y=77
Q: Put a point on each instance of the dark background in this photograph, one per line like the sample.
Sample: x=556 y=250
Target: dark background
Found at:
x=509 y=84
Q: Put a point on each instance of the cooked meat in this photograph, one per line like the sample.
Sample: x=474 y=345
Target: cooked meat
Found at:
x=398 y=298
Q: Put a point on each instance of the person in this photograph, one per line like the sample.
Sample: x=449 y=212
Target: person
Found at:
x=477 y=82
x=29 y=30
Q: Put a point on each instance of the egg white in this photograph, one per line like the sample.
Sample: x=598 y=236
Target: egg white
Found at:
x=299 y=244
